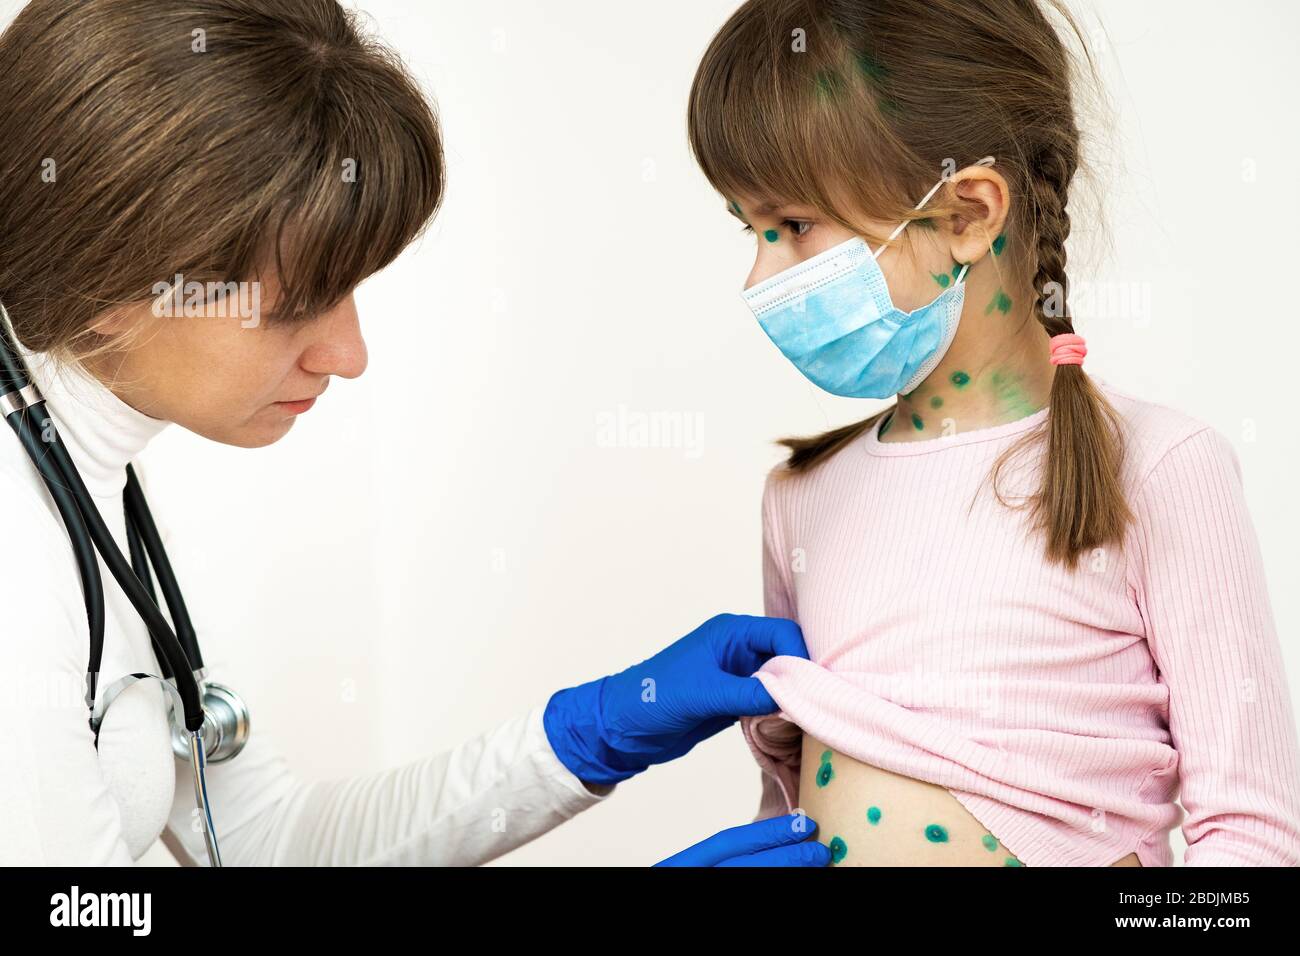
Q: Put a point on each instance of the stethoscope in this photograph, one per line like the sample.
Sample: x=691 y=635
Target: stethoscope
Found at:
x=215 y=724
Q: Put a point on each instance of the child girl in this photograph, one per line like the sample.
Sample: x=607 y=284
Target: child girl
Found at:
x=1034 y=604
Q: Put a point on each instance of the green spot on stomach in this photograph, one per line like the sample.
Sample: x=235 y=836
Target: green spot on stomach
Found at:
x=1012 y=861
x=936 y=834
x=825 y=774
x=990 y=842
x=839 y=849
x=873 y=815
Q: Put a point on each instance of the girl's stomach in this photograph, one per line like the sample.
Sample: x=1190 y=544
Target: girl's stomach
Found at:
x=873 y=817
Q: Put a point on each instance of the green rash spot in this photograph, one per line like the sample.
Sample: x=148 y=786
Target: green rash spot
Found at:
x=960 y=379
x=989 y=841
x=873 y=815
x=824 y=775
x=916 y=421
x=771 y=235
x=956 y=270
x=736 y=206
x=826 y=756
x=1001 y=301
x=884 y=426
x=999 y=244
x=936 y=402
x=1012 y=861
x=941 y=278
x=936 y=834
x=871 y=67
x=839 y=849
x=829 y=84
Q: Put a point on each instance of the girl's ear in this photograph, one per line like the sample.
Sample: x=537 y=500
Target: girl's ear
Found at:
x=975 y=231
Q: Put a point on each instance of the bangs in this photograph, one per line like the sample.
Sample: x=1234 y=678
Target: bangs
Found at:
x=372 y=185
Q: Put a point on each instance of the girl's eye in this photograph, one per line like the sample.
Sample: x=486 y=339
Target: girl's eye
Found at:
x=798 y=227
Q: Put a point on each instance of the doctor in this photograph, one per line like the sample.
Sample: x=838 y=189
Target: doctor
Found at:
x=151 y=148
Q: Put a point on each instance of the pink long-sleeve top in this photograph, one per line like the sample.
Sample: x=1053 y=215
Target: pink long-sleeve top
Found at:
x=1063 y=709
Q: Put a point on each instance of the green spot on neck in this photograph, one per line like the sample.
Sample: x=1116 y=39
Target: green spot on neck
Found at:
x=999 y=244
x=960 y=379
x=941 y=278
x=936 y=402
x=916 y=421
x=771 y=235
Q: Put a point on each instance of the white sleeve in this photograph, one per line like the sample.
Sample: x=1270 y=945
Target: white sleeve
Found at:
x=56 y=808
x=463 y=807
x=459 y=808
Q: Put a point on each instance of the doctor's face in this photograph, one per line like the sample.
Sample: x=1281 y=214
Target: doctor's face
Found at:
x=233 y=378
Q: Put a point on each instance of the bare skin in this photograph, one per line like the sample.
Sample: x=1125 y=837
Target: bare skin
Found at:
x=917 y=823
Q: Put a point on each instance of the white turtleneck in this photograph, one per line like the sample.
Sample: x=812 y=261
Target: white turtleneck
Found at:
x=62 y=802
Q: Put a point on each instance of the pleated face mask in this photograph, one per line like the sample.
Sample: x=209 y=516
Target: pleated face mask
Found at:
x=833 y=317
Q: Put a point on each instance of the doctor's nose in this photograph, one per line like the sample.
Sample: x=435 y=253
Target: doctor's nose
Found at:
x=338 y=348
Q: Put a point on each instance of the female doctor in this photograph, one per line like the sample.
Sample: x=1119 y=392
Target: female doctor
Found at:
x=148 y=145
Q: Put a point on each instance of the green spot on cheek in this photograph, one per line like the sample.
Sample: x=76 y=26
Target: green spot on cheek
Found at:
x=839 y=849
x=916 y=421
x=1012 y=861
x=736 y=207
x=999 y=244
x=873 y=815
x=936 y=402
x=941 y=278
x=960 y=379
x=989 y=841
x=936 y=834
x=771 y=235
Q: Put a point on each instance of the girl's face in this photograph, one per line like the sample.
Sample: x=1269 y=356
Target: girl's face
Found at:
x=226 y=378
x=789 y=234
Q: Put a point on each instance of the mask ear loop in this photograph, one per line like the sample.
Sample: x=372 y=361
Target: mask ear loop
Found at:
x=986 y=161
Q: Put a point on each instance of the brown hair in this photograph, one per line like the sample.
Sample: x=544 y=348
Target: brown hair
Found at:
x=813 y=100
x=144 y=138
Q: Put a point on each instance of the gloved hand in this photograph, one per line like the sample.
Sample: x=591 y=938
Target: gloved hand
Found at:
x=613 y=728
x=780 y=841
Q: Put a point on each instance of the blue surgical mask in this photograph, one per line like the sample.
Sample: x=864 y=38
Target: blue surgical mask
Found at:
x=833 y=317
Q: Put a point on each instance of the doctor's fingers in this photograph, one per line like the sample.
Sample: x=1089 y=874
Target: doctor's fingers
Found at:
x=749 y=640
x=809 y=853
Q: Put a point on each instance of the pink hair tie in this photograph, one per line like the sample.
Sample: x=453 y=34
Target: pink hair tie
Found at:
x=1068 y=349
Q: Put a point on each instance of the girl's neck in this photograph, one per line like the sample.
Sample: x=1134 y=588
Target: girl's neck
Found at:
x=996 y=371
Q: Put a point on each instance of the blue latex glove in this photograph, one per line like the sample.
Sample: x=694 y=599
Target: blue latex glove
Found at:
x=780 y=841
x=613 y=728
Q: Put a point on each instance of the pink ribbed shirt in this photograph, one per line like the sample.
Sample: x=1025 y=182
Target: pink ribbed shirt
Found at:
x=1062 y=709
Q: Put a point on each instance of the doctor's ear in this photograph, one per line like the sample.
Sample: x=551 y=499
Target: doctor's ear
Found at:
x=975 y=232
x=119 y=319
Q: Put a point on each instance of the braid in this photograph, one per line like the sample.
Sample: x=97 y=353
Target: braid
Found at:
x=1081 y=505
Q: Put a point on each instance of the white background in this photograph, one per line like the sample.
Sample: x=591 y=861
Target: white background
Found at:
x=443 y=542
